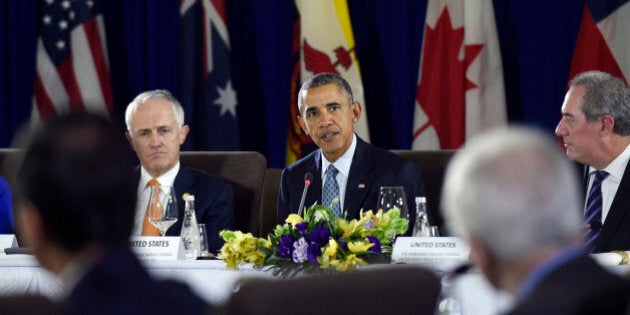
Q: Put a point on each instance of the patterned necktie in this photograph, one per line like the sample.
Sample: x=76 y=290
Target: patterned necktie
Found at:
x=331 y=190
x=593 y=211
x=154 y=207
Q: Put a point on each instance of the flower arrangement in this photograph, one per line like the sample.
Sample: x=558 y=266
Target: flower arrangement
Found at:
x=318 y=239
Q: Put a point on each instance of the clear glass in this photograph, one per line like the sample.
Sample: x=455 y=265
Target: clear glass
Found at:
x=434 y=231
x=203 y=241
x=390 y=197
x=164 y=215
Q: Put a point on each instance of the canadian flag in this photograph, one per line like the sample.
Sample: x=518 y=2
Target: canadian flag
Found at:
x=460 y=85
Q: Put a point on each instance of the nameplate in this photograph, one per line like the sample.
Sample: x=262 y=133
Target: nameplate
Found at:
x=430 y=250
x=7 y=240
x=157 y=247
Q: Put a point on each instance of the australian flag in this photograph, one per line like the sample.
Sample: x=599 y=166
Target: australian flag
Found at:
x=207 y=93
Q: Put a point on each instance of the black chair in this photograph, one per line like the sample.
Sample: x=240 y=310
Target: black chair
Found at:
x=245 y=171
x=269 y=201
x=432 y=164
x=382 y=290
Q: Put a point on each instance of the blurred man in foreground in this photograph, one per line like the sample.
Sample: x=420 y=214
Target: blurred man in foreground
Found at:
x=516 y=199
x=595 y=127
x=76 y=192
x=156 y=130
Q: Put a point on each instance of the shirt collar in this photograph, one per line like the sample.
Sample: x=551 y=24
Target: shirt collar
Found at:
x=617 y=167
x=344 y=162
x=166 y=180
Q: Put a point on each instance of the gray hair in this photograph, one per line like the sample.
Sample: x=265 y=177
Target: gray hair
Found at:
x=322 y=79
x=178 y=111
x=605 y=95
x=514 y=190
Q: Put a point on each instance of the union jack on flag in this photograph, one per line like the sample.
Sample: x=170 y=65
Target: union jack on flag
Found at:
x=72 y=67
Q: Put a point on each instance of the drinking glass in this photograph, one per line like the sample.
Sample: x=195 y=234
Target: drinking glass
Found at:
x=164 y=214
x=390 y=197
x=203 y=240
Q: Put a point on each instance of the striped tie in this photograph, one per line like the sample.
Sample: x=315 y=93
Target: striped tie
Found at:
x=154 y=206
x=593 y=211
x=331 y=190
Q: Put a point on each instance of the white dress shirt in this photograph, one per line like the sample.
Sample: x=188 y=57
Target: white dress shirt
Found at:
x=615 y=170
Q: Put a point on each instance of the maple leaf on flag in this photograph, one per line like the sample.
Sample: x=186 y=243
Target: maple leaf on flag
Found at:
x=317 y=61
x=343 y=57
x=443 y=85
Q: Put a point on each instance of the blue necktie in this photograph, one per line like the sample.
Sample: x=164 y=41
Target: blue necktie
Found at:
x=331 y=190
x=593 y=211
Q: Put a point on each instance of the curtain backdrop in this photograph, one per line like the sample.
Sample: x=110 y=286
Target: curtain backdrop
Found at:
x=537 y=39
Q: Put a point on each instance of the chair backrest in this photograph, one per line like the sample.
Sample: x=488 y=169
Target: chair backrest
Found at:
x=432 y=164
x=390 y=290
x=245 y=171
x=269 y=201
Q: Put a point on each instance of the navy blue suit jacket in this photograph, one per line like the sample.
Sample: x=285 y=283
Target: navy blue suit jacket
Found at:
x=118 y=284
x=579 y=286
x=371 y=168
x=213 y=203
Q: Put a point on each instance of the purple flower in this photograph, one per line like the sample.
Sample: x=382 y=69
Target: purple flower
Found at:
x=313 y=252
x=377 y=244
x=319 y=236
x=285 y=246
x=299 y=252
x=369 y=225
x=302 y=227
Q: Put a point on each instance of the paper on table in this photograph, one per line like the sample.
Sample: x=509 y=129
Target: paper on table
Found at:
x=612 y=258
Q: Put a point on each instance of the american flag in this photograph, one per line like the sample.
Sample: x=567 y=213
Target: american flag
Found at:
x=72 y=67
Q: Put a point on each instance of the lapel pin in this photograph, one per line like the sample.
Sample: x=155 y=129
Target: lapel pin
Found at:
x=361 y=186
x=185 y=195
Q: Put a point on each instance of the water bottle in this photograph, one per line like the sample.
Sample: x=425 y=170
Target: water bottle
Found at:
x=421 y=226
x=190 y=230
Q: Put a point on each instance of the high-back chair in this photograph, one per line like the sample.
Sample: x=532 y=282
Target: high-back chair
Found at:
x=245 y=171
x=432 y=164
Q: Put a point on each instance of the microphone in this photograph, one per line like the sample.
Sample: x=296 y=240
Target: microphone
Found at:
x=308 y=178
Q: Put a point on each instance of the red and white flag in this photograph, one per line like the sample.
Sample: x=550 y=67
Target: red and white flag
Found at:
x=603 y=40
x=72 y=67
x=460 y=85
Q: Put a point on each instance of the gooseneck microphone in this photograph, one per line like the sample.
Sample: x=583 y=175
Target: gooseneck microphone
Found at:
x=308 y=178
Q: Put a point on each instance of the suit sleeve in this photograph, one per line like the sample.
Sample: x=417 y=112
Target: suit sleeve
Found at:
x=284 y=199
x=219 y=216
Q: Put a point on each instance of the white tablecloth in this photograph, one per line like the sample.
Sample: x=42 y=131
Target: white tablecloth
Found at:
x=212 y=281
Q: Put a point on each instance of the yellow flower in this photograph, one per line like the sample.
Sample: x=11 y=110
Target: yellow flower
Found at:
x=331 y=249
x=349 y=229
x=359 y=246
x=294 y=219
x=350 y=263
x=240 y=247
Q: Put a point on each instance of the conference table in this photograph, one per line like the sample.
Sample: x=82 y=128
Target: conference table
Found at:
x=211 y=280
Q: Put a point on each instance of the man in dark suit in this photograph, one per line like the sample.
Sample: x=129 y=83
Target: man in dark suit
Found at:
x=515 y=198
x=76 y=188
x=156 y=130
x=327 y=114
x=595 y=127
